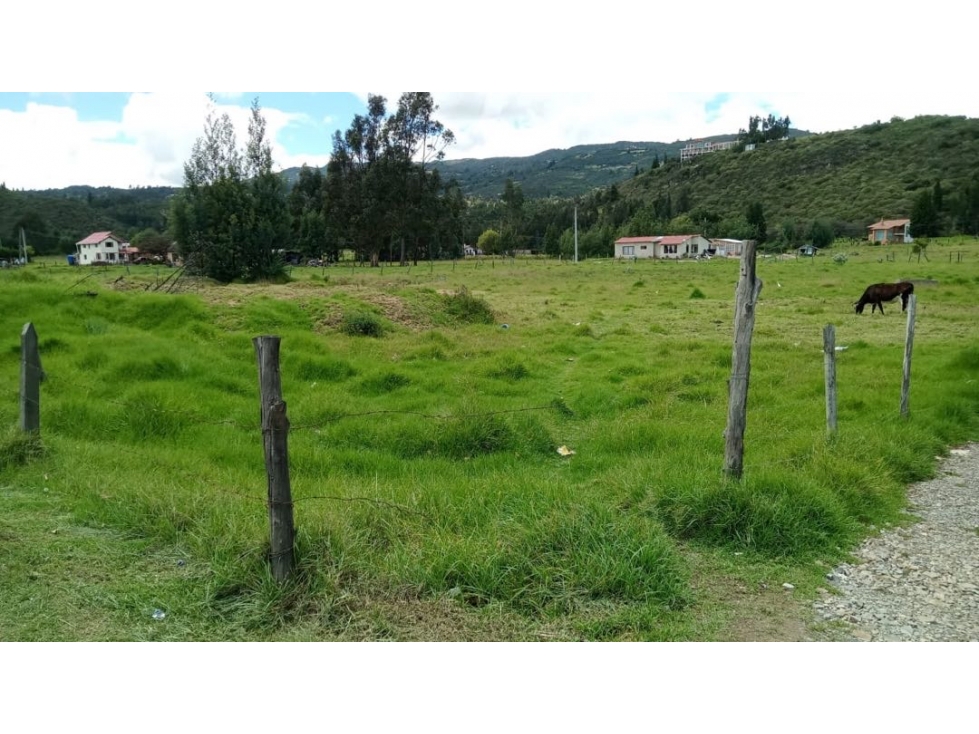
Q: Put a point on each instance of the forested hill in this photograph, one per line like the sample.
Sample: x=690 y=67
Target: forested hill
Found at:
x=854 y=176
x=57 y=218
x=560 y=172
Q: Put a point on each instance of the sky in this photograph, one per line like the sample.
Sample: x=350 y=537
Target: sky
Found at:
x=616 y=75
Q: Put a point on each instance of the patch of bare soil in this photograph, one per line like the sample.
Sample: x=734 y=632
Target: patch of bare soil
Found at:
x=758 y=614
x=396 y=310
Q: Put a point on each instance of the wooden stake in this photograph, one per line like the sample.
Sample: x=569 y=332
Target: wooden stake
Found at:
x=275 y=431
x=746 y=297
x=829 y=358
x=31 y=375
x=908 y=344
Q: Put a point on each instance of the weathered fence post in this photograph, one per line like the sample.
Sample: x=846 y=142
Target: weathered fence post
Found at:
x=829 y=358
x=275 y=431
x=31 y=375
x=908 y=344
x=746 y=297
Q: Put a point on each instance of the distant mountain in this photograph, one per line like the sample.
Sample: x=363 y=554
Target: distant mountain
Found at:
x=559 y=172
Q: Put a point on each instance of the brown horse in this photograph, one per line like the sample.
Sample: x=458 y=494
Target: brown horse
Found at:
x=877 y=293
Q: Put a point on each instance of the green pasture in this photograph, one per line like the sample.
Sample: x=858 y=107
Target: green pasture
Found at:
x=427 y=407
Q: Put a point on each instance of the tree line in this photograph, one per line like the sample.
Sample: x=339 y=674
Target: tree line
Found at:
x=380 y=198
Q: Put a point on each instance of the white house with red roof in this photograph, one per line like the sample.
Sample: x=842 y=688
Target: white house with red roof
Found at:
x=890 y=230
x=662 y=247
x=101 y=248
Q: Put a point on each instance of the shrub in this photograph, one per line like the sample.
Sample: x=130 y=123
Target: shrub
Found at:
x=466 y=308
x=359 y=323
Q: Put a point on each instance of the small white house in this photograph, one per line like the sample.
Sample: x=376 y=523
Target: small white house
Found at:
x=100 y=248
x=724 y=247
x=661 y=247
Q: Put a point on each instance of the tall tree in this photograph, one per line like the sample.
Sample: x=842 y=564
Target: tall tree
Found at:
x=268 y=233
x=231 y=219
x=924 y=215
x=208 y=216
x=756 y=220
x=414 y=139
x=358 y=184
x=513 y=202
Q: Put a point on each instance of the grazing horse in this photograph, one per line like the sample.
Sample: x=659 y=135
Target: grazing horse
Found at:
x=877 y=293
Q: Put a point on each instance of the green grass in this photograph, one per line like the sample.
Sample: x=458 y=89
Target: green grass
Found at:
x=430 y=499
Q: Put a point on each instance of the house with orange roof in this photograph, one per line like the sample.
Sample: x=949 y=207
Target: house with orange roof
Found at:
x=890 y=230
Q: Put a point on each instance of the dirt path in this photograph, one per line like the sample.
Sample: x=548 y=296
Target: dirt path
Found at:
x=921 y=582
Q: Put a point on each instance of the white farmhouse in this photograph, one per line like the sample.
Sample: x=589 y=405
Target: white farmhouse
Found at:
x=666 y=247
x=100 y=248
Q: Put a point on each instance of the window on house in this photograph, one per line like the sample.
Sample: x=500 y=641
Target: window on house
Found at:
x=642 y=247
x=110 y=256
x=109 y=244
x=628 y=250
x=669 y=249
x=693 y=249
x=98 y=255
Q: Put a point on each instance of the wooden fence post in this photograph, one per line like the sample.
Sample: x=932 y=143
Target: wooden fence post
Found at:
x=275 y=431
x=746 y=297
x=908 y=344
x=829 y=358
x=31 y=375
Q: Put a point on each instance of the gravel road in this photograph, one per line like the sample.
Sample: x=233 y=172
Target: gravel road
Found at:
x=921 y=582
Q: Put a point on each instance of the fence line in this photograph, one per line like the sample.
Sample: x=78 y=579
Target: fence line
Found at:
x=275 y=425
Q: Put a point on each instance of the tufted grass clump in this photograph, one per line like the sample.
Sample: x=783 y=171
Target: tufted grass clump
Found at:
x=465 y=308
x=361 y=323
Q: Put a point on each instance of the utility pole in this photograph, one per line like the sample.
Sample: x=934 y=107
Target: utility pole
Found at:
x=576 y=233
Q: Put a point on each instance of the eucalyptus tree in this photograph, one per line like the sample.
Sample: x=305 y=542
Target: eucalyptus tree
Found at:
x=358 y=184
x=414 y=139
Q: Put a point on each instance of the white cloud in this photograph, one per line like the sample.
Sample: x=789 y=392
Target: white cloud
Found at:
x=523 y=123
x=47 y=146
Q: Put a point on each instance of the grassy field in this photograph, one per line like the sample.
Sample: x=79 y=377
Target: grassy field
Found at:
x=427 y=407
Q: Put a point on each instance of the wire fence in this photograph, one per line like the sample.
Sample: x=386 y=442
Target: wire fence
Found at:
x=274 y=428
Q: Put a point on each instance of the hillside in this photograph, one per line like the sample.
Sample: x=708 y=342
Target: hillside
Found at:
x=850 y=176
x=559 y=172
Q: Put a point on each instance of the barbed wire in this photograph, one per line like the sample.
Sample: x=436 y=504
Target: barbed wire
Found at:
x=334 y=419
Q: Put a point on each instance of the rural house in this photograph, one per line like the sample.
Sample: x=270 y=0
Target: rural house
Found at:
x=724 y=247
x=661 y=247
x=102 y=248
x=890 y=230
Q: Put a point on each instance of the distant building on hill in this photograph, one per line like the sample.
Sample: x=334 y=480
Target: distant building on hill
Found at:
x=699 y=147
